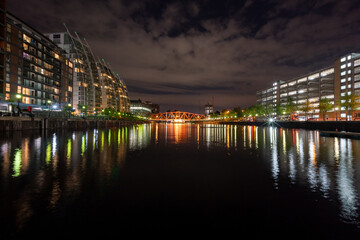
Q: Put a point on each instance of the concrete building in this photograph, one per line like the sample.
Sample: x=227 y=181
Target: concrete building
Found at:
x=209 y=109
x=96 y=86
x=332 y=82
x=32 y=67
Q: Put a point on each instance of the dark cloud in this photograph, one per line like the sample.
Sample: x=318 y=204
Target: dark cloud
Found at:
x=182 y=54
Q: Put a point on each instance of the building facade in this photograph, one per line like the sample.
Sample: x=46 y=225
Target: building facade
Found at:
x=209 y=109
x=2 y=47
x=332 y=82
x=140 y=108
x=96 y=86
x=34 y=70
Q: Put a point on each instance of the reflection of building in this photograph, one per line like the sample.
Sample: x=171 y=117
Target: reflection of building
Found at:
x=96 y=86
x=35 y=67
x=332 y=82
x=209 y=109
x=140 y=108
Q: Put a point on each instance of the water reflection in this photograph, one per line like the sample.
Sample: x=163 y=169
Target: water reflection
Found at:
x=57 y=166
x=326 y=165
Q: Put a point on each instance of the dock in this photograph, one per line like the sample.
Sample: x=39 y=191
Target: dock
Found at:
x=352 y=135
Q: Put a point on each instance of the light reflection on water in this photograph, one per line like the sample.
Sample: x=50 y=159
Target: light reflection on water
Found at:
x=58 y=165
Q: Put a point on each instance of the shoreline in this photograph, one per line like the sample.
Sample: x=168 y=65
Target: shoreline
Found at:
x=338 y=126
x=25 y=123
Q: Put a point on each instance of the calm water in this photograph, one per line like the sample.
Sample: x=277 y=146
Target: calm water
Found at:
x=180 y=177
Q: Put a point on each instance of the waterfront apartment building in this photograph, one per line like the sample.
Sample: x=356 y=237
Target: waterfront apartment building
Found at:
x=96 y=86
x=2 y=47
x=33 y=68
x=332 y=82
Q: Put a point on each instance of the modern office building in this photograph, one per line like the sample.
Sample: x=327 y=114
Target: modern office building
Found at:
x=332 y=82
x=96 y=86
x=140 y=108
x=33 y=70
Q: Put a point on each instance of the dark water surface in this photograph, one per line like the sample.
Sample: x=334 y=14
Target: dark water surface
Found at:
x=179 y=178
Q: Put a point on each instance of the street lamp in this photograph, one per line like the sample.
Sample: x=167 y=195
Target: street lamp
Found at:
x=69 y=109
x=49 y=103
x=336 y=112
x=18 y=97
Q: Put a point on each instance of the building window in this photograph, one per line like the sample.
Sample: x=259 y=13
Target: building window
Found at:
x=357 y=62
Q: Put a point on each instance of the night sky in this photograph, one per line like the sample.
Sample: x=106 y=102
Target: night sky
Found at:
x=181 y=54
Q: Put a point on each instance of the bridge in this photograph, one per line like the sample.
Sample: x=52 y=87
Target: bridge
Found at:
x=176 y=116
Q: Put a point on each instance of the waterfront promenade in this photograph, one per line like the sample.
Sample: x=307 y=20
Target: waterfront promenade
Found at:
x=347 y=126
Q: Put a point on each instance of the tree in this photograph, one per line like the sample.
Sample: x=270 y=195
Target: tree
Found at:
x=290 y=107
x=83 y=108
x=324 y=106
x=238 y=112
x=278 y=109
x=349 y=103
x=306 y=108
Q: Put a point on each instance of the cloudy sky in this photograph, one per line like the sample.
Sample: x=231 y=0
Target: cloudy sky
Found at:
x=182 y=54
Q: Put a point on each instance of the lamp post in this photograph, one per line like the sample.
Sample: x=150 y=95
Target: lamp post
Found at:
x=49 y=103
x=69 y=108
x=336 y=112
x=18 y=97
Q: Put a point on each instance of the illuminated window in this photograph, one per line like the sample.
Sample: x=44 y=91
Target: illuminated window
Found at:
x=311 y=77
x=302 y=80
x=357 y=62
x=26 y=38
x=357 y=77
x=327 y=72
